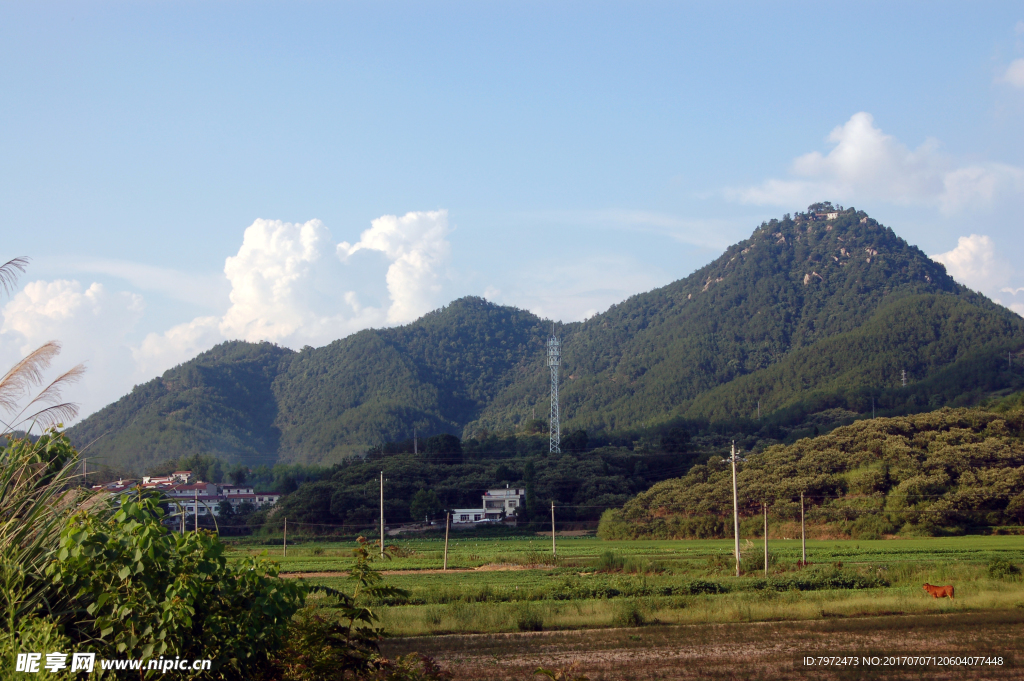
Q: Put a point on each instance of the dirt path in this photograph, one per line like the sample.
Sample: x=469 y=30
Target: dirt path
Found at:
x=482 y=568
x=765 y=650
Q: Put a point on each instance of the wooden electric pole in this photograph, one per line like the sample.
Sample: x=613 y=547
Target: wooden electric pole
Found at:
x=284 y=540
x=447 y=525
x=803 y=533
x=735 y=509
x=765 y=508
x=382 y=515
x=554 y=551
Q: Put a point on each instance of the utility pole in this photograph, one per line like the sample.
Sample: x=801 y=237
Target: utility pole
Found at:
x=735 y=508
x=554 y=552
x=85 y=470
x=764 y=507
x=195 y=509
x=554 y=359
x=284 y=540
x=382 y=515
x=803 y=533
x=904 y=378
x=447 y=525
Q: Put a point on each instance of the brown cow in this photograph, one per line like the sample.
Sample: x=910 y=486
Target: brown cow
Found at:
x=939 y=591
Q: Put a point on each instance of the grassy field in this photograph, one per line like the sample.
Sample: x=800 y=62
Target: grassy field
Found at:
x=514 y=584
x=469 y=552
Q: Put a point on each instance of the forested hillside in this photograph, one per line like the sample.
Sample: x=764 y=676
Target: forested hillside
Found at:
x=221 y=402
x=792 y=285
x=812 y=319
x=947 y=471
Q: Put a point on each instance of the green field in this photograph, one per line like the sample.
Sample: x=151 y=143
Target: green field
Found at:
x=514 y=584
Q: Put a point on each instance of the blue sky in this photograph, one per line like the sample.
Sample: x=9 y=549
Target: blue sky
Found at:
x=182 y=173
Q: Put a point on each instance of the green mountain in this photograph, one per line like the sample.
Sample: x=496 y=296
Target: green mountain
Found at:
x=808 y=317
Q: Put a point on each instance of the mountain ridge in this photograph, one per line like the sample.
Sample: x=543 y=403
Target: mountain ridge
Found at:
x=695 y=349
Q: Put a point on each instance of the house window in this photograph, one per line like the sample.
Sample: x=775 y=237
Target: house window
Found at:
x=476 y=517
x=511 y=503
x=464 y=517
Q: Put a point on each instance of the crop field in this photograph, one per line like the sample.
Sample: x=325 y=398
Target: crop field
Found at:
x=667 y=609
x=470 y=552
x=514 y=584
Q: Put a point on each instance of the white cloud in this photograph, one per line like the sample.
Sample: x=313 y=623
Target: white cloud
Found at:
x=978 y=263
x=975 y=263
x=287 y=287
x=292 y=285
x=160 y=351
x=197 y=289
x=867 y=164
x=418 y=248
x=1015 y=73
x=91 y=323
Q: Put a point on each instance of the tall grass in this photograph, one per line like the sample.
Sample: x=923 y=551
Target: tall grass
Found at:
x=37 y=493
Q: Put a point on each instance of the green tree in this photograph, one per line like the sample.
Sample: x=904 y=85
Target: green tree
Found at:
x=425 y=504
x=444 y=448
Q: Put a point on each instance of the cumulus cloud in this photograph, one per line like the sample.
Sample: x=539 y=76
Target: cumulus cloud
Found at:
x=290 y=283
x=977 y=263
x=417 y=246
x=1015 y=73
x=867 y=164
x=91 y=323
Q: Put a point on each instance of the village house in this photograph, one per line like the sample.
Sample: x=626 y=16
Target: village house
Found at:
x=202 y=498
x=498 y=504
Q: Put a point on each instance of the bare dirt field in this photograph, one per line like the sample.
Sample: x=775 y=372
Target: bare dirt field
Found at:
x=765 y=650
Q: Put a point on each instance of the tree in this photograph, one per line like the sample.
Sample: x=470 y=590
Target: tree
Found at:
x=444 y=448
x=425 y=504
x=575 y=442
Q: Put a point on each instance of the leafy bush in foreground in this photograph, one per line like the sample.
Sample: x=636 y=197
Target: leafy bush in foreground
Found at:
x=137 y=590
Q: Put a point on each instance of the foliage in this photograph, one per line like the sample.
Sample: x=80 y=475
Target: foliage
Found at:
x=629 y=614
x=581 y=483
x=1001 y=568
x=139 y=591
x=36 y=498
x=926 y=473
x=813 y=318
x=425 y=504
x=344 y=644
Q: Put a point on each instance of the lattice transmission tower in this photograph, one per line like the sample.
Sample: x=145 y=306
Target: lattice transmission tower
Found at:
x=554 y=359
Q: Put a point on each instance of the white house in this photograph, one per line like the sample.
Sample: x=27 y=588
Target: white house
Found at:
x=497 y=505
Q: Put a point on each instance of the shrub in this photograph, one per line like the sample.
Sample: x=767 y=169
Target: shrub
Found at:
x=139 y=591
x=629 y=614
x=1001 y=568
x=609 y=561
x=528 y=619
